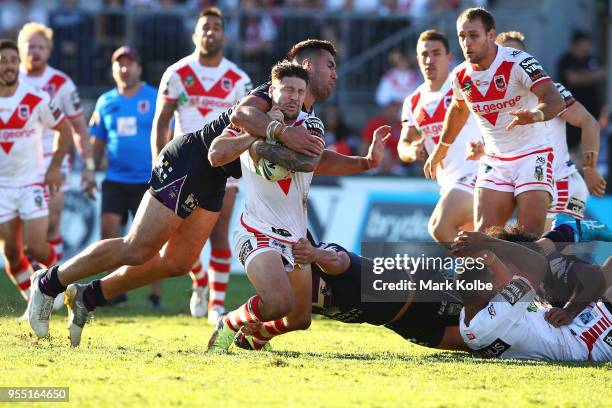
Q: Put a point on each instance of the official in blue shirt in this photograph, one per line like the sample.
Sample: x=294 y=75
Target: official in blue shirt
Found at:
x=121 y=124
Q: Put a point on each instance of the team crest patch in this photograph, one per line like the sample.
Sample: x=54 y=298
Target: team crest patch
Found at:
x=500 y=83
x=447 y=101
x=189 y=80
x=23 y=111
x=539 y=172
x=143 y=106
x=226 y=84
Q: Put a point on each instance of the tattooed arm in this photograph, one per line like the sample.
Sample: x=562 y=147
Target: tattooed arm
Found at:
x=283 y=156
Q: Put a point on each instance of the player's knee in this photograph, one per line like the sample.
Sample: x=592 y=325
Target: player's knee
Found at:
x=278 y=305
x=178 y=268
x=302 y=324
x=439 y=232
x=137 y=254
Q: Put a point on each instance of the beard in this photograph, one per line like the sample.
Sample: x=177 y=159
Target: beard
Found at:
x=211 y=50
x=6 y=82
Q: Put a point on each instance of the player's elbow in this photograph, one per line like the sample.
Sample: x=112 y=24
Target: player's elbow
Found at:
x=216 y=157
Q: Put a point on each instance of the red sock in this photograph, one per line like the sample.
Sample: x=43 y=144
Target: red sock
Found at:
x=58 y=246
x=218 y=273
x=247 y=313
x=51 y=259
x=198 y=275
x=21 y=276
x=268 y=331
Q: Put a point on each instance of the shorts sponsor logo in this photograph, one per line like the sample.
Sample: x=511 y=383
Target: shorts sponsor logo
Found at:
x=245 y=250
x=538 y=172
x=540 y=160
x=515 y=290
x=487 y=168
x=190 y=203
x=608 y=338
x=533 y=68
x=500 y=83
x=38 y=200
x=281 y=232
x=495 y=349
x=585 y=317
x=491 y=310
x=576 y=205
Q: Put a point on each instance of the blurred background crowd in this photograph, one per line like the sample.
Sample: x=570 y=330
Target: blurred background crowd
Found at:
x=375 y=38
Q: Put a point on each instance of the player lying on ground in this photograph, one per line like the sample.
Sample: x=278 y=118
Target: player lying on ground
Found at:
x=570 y=284
x=504 y=321
x=180 y=209
x=274 y=217
x=337 y=294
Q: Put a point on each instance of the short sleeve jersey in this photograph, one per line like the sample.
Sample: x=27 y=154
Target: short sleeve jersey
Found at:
x=202 y=93
x=504 y=87
x=23 y=117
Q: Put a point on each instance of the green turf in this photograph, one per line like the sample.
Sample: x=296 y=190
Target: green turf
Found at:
x=131 y=357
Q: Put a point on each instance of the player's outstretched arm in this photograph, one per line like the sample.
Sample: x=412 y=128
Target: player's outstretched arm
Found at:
x=84 y=147
x=228 y=147
x=251 y=116
x=63 y=143
x=336 y=164
x=285 y=157
x=577 y=115
x=160 y=135
x=456 y=116
x=331 y=262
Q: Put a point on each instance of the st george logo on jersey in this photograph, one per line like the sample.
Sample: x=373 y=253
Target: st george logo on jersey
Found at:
x=23 y=111
x=500 y=83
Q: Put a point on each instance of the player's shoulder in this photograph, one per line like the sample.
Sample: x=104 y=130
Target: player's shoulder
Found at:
x=26 y=89
x=411 y=101
x=512 y=54
x=56 y=73
x=234 y=67
x=183 y=62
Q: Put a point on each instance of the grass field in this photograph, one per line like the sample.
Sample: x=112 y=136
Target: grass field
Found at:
x=131 y=357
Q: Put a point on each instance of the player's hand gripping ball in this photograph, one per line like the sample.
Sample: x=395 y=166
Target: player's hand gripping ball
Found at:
x=275 y=172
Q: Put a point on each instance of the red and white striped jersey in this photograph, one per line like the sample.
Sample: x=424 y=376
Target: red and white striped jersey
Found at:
x=425 y=111
x=563 y=165
x=276 y=208
x=23 y=117
x=63 y=93
x=504 y=87
x=202 y=93
x=512 y=326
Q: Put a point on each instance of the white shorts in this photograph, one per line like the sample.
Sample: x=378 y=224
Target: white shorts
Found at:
x=571 y=195
x=65 y=171
x=249 y=243
x=232 y=183
x=465 y=183
x=527 y=172
x=26 y=202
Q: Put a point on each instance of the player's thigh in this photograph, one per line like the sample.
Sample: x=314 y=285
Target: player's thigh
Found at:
x=267 y=273
x=35 y=232
x=184 y=246
x=454 y=209
x=11 y=239
x=219 y=235
x=492 y=207
x=532 y=207
x=152 y=227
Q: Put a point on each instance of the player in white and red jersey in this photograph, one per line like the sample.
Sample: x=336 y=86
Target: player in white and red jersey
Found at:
x=422 y=118
x=24 y=113
x=500 y=85
x=196 y=90
x=570 y=188
x=503 y=321
x=274 y=219
x=35 y=42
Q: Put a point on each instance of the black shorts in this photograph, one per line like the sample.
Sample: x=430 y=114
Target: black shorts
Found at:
x=122 y=198
x=183 y=178
x=424 y=323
